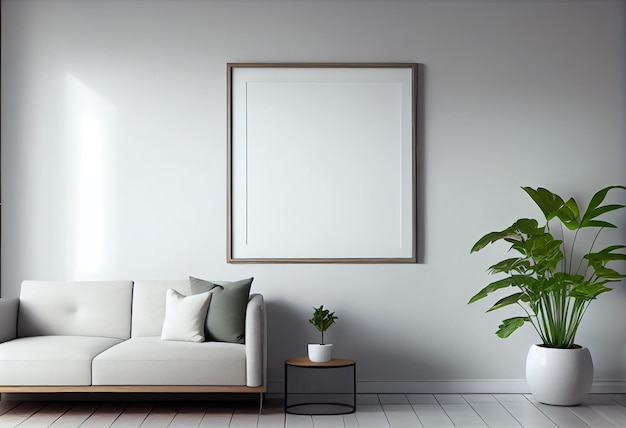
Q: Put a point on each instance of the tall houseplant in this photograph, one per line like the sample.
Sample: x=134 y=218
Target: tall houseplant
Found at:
x=555 y=278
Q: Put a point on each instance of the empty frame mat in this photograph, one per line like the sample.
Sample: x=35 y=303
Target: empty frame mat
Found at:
x=322 y=163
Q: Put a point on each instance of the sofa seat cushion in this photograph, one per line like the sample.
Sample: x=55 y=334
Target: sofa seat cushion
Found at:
x=152 y=361
x=50 y=360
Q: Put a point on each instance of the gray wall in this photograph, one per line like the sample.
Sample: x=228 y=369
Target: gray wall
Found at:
x=516 y=93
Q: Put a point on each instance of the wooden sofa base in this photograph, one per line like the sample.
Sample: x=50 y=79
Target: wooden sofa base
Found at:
x=134 y=388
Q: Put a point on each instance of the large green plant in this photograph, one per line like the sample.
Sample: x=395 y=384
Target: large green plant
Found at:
x=555 y=280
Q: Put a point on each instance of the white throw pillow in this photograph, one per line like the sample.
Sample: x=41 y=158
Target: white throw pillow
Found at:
x=185 y=316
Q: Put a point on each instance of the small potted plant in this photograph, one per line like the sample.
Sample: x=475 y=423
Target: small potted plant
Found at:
x=322 y=320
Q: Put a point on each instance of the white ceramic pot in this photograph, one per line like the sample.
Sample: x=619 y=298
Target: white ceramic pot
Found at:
x=320 y=353
x=561 y=377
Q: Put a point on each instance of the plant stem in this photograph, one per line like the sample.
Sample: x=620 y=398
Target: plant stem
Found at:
x=533 y=323
x=593 y=243
x=563 y=247
x=572 y=253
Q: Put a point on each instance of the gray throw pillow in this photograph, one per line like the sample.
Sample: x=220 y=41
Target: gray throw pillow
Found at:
x=226 y=320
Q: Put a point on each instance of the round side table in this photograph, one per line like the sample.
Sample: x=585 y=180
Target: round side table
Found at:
x=328 y=408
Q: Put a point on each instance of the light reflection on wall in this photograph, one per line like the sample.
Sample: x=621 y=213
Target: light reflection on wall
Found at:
x=90 y=127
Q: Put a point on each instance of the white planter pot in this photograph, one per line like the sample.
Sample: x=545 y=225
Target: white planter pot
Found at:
x=320 y=353
x=560 y=377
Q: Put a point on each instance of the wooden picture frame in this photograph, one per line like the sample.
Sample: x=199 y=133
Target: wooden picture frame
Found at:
x=322 y=162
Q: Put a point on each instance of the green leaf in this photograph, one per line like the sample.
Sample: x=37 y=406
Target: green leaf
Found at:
x=598 y=223
x=528 y=226
x=506 y=266
x=599 y=196
x=517 y=232
x=509 y=325
x=588 y=291
x=521 y=281
x=568 y=214
x=492 y=237
x=549 y=203
x=594 y=209
x=552 y=205
x=609 y=250
x=509 y=300
x=611 y=275
x=599 y=259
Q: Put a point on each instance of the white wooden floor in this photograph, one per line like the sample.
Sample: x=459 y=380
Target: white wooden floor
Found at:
x=374 y=411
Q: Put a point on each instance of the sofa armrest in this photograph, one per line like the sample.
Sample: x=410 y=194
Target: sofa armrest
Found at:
x=8 y=318
x=256 y=342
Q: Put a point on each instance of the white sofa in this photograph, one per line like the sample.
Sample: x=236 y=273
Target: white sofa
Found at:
x=105 y=336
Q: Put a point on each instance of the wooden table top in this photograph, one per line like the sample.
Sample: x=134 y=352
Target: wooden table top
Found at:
x=305 y=362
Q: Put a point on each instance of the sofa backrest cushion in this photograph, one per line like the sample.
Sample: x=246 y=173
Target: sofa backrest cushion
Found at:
x=149 y=305
x=75 y=308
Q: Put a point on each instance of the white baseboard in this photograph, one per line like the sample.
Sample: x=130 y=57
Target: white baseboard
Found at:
x=474 y=386
x=608 y=387
x=444 y=387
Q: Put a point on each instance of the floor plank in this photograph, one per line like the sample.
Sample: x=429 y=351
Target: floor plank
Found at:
x=217 y=416
x=591 y=417
x=401 y=415
x=328 y=421
x=5 y=406
x=161 y=416
x=371 y=416
x=75 y=416
x=188 y=416
x=245 y=417
x=450 y=399
x=524 y=411
x=613 y=413
x=561 y=416
x=463 y=416
x=429 y=412
x=273 y=415
x=298 y=421
x=350 y=421
x=47 y=415
x=104 y=416
x=133 y=416
x=491 y=411
x=19 y=414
